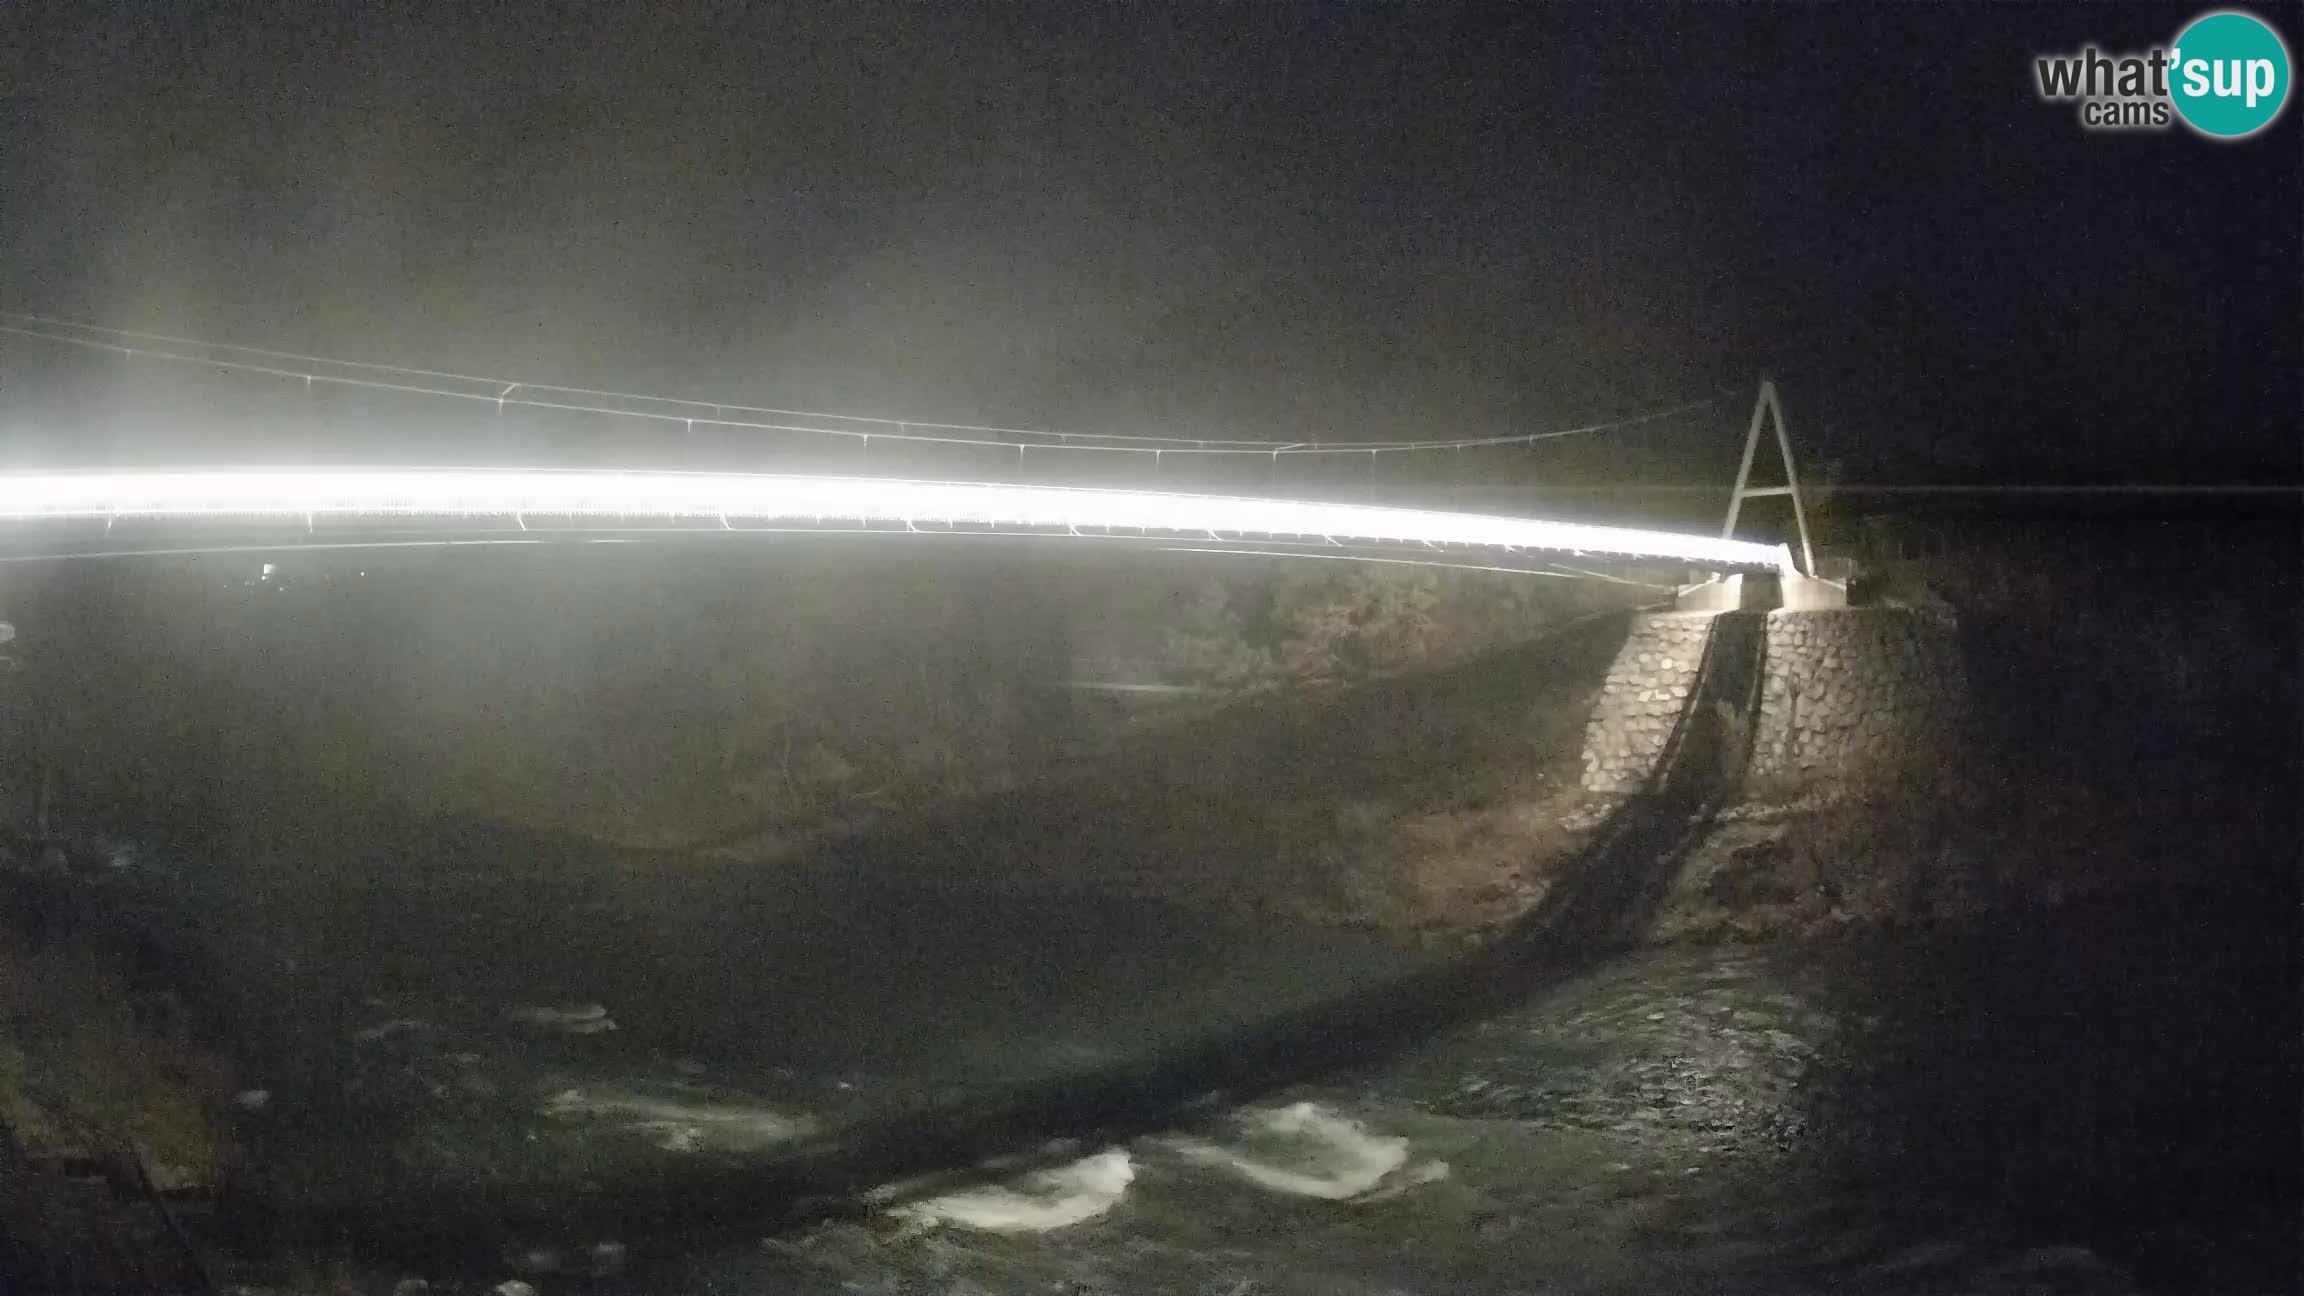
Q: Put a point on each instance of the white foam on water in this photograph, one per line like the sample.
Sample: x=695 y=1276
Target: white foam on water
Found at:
x=1034 y=1203
x=683 y=1126
x=1305 y=1151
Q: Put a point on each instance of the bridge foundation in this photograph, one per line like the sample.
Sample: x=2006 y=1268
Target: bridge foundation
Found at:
x=1844 y=693
x=1848 y=693
x=1650 y=684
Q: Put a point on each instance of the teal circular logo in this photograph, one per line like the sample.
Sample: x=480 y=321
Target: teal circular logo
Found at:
x=2228 y=74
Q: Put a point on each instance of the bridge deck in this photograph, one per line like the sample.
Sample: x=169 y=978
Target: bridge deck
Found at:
x=56 y=513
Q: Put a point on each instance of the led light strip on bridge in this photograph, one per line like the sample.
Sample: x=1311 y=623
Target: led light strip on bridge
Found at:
x=731 y=498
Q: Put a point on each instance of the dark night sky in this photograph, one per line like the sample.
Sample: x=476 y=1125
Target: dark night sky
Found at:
x=1241 y=220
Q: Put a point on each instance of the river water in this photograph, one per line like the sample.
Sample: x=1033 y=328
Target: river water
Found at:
x=2083 y=1100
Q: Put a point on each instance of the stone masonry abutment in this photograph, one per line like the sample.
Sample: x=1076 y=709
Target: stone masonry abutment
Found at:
x=1843 y=691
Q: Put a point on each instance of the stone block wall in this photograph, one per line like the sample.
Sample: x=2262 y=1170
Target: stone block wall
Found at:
x=1646 y=690
x=1856 y=688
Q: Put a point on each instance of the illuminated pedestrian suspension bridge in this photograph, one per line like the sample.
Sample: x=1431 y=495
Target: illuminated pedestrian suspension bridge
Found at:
x=183 y=509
